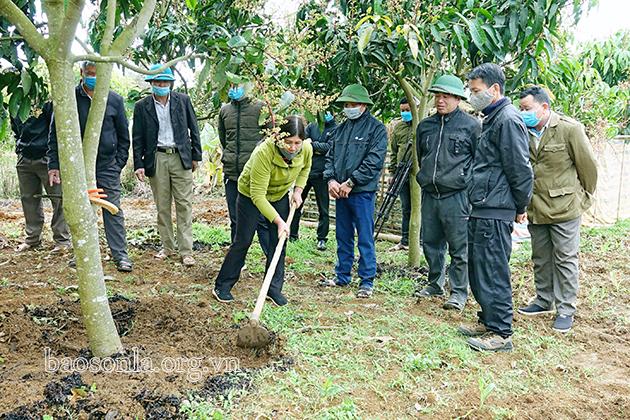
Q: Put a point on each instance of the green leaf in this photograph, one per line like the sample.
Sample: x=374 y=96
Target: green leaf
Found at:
x=191 y=4
x=237 y=41
x=365 y=33
x=15 y=102
x=413 y=44
x=235 y=78
x=25 y=109
x=26 y=81
x=478 y=37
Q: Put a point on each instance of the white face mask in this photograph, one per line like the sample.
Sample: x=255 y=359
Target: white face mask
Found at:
x=353 y=113
x=480 y=101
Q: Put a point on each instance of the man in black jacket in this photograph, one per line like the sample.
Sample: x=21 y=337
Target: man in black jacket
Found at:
x=353 y=168
x=500 y=192
x=321 y=144
x=167 y=149
x=31 y=145
x=239 y=132
x=446 y=144
x=113 y=151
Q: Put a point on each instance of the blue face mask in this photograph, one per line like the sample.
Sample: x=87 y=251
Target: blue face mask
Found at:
x=236 y=93
x=89 y=82
x=161 y=91
x=329 y=117
x=406 y=116
x=530 y=119
x=353 y=113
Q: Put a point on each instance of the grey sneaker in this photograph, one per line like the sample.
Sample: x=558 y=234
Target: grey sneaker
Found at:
x=472 y=330
x=428 y=292
x=364 y=292
x=563 y=323
x=533 y=310
x=491 y=342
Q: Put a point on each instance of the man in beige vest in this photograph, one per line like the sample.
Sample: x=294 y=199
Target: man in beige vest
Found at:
x=565 y=176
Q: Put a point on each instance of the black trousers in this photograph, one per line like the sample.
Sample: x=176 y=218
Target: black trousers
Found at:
x=489 y=249
x=231 y=194
x=323 y=202
x=445 y=221
x=247 y=220
x=405 y=204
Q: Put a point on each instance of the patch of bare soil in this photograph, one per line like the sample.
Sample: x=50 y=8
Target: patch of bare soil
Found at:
x=178 y=342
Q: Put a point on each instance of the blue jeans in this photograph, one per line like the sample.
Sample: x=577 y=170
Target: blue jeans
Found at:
x=356 y=213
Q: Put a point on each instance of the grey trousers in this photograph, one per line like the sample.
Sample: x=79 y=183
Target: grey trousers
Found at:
x=32 y=175
x=555 y=256
x=109 y=180
x=172 y=182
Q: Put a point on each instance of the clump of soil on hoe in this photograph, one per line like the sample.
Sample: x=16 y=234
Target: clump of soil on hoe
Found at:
x=174 y=349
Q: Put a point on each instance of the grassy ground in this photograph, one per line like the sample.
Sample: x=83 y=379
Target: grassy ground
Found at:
x=392 y=357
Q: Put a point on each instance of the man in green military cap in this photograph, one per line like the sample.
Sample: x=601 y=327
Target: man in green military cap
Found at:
x=353 y=167
x=445 y=142
x=167 y=149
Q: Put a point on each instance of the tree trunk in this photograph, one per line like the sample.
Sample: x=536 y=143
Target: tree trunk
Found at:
x=418 y=114
x=80 y=216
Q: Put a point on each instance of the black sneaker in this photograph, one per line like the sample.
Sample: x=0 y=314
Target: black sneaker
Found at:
x=223 y=297
x=453 y=304
x=533 y=310
x=563 y=323
x=321 y=245
x=277 y=298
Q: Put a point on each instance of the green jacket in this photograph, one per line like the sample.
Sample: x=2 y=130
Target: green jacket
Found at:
x=402 y=134
x=565 y=172
x=239 y=133
x=267 y=177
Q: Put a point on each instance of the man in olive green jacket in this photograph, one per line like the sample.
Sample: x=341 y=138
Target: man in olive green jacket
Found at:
x=401 y=141
x=565 y=176
x=239 y=133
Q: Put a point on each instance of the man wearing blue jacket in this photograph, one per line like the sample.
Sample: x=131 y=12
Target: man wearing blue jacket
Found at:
x=353 y=168
x=320 y=139
x=500 y=192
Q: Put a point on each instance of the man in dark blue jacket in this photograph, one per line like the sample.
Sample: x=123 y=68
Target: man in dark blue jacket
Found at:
x=167 y=149
x=500 y=192
x=321 y=144
x=446 y=144
x=113 y=151
x=353 y=168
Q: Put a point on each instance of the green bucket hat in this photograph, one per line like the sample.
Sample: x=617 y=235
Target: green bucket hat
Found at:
x=355 y=93
x=167 y=74
x=449 y=84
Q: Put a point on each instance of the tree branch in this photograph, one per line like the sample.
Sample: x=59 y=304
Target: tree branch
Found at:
x=66 y=32
x=96 y=58
x=25 y=27
x=110 y=23
x=137 y=24
x=11 y=38
x=88 y=49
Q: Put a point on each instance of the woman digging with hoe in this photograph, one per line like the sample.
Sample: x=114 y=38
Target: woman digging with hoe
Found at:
x=263 y=187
